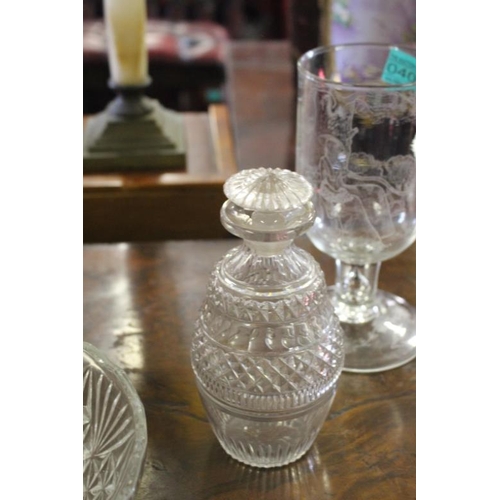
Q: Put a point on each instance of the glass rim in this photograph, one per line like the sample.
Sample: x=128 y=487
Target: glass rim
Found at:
x=323 y=49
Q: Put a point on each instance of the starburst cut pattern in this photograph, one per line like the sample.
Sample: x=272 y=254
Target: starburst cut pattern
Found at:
x=268 y=189
x=109 y=436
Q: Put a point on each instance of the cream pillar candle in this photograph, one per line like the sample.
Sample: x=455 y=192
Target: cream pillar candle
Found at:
x=126 y=41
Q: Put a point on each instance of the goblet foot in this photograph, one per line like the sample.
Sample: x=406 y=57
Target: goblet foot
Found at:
x=384 y=342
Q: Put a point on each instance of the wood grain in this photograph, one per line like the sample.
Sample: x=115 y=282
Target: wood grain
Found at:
x=140 y=304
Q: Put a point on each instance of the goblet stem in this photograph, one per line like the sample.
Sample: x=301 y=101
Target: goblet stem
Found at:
x=355 y=291
x=379 y=327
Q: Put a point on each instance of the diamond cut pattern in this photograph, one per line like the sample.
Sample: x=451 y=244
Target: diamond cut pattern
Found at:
x=288 y=309
x=263 y=347
x=253 y=380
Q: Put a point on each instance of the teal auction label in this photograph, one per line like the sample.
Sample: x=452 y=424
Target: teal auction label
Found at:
x=400 y=67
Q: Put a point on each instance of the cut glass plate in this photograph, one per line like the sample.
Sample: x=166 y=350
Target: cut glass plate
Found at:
x=114 y=430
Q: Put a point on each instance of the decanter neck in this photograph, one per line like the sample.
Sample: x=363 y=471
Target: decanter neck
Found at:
x=272 y=230
x=268 y=249
x=246 y=271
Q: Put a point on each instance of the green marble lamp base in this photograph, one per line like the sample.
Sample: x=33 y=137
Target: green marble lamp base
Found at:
x=134 y=132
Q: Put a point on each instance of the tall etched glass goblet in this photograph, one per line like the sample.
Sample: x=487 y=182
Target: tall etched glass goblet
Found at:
x=356 y=122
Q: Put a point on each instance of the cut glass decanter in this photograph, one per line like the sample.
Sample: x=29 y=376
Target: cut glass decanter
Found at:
x=267 y=350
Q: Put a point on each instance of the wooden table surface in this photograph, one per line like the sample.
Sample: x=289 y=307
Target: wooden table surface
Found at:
x=140 y=304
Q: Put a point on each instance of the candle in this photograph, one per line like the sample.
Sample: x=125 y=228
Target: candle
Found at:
x=126 y=41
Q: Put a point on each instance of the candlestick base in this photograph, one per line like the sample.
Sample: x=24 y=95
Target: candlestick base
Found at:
x=134 y=133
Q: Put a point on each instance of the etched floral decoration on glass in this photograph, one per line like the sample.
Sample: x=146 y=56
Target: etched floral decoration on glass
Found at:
x=267 y=348
x=356 y=126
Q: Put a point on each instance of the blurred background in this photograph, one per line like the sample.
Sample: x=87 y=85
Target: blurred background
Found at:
x=239 y=55
x=241 y=52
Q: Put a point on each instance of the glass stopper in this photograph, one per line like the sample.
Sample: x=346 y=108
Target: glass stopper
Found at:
x=263 y=202
x=268 y=190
